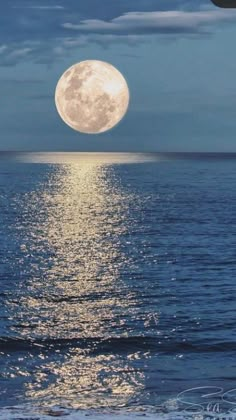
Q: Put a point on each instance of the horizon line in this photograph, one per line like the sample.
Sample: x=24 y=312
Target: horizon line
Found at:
x=125 y=152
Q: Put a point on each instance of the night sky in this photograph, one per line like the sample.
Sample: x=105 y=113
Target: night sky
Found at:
x=178 y=57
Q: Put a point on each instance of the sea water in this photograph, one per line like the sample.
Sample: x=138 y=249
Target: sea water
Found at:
x=118 y=284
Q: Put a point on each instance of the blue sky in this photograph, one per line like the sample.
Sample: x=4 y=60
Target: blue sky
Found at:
x=178 y=57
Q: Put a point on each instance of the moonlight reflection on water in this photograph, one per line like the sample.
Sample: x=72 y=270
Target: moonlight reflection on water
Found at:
x=75 y=301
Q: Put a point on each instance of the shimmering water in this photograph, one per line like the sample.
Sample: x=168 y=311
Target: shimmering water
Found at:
x=117 y=279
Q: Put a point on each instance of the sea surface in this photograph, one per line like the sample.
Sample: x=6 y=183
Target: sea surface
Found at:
x=118 y=284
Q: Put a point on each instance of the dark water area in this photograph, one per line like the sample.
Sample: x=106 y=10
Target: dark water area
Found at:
x=117 y=278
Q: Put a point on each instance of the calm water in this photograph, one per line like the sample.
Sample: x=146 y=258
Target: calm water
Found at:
x=117 y=280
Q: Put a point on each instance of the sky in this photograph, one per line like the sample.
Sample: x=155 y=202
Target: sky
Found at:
x=178 y=57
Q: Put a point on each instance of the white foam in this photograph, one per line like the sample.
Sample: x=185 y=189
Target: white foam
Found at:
x=43 y=413
x=24 y=413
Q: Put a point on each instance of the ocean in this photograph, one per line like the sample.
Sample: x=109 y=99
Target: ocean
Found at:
x=117 y=285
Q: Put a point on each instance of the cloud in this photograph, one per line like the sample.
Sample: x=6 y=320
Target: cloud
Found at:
x=38 y=7
x=21 y=52
x=154 y=22
x=28 y=32
x=13 y=55
x=101 y=39
x=2 y=48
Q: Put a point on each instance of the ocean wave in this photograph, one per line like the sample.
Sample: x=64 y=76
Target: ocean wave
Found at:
x=32 y=413
x=115 y=344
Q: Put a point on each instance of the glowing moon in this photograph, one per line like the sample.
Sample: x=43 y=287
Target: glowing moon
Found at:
x=92 y=96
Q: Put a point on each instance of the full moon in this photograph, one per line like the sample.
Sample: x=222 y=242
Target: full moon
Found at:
x=92 y=96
